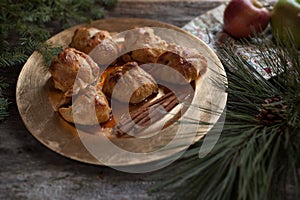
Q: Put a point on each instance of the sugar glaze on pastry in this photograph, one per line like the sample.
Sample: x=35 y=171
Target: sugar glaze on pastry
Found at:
x=127 y=77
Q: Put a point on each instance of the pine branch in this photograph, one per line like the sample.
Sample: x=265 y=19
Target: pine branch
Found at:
x=259 y=144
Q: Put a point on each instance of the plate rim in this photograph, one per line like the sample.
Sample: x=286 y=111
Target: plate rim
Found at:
x=110 y=20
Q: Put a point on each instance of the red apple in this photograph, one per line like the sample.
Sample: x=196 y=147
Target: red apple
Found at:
x=245 y=18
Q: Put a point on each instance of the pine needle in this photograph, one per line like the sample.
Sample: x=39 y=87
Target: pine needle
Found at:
x=252 y=157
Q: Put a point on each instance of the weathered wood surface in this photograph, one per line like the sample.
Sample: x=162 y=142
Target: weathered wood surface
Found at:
x=28 y=170
x=176 y=12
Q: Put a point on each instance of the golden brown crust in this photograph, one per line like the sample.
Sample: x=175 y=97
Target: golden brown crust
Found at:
x=65 y=67
x=188 y=62
x=129 y=76
x=198 y=61
x=105 y=53
x=144 y=46
x=89 y=108
x=178 y=63
x=86 y=39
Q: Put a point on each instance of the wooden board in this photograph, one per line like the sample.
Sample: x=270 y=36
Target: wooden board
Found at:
x=173 y=12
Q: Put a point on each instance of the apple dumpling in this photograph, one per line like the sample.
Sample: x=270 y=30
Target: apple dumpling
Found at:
x=86 y=39
x=188 y=62
x=143 y=46
x=71 y=64
x=97 y=43
x=129 y=82
x=89 y=108
x=106 y=53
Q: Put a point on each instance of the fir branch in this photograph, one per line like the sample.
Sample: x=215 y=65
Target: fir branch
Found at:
x=49 y=52
x=3 y=108
x=3 y=102
x=24 y=27
x=16 y=57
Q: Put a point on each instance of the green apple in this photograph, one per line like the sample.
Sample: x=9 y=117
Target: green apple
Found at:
x=285 y=20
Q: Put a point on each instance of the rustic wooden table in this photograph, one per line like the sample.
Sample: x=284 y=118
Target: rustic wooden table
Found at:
x=31 y=171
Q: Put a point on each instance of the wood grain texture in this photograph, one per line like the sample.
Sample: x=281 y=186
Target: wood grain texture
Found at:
x=31 y=171
x=28 y=170
x=177 y=13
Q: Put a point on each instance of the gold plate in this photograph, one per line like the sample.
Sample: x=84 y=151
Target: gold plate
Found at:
x=50 y=129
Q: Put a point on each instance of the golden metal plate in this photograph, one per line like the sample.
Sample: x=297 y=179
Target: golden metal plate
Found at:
x=46 y=125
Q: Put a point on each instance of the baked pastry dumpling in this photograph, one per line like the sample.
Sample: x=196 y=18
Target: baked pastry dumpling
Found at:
x=143 y=46
x=86 y=39
x=129 y=82
x=105 y=53
x=65 y=67
x=89 y=108
x=188 y=62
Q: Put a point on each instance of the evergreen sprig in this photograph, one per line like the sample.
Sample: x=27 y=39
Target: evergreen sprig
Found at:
x=257 y=155
x=3 y=102
x=25 y=23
